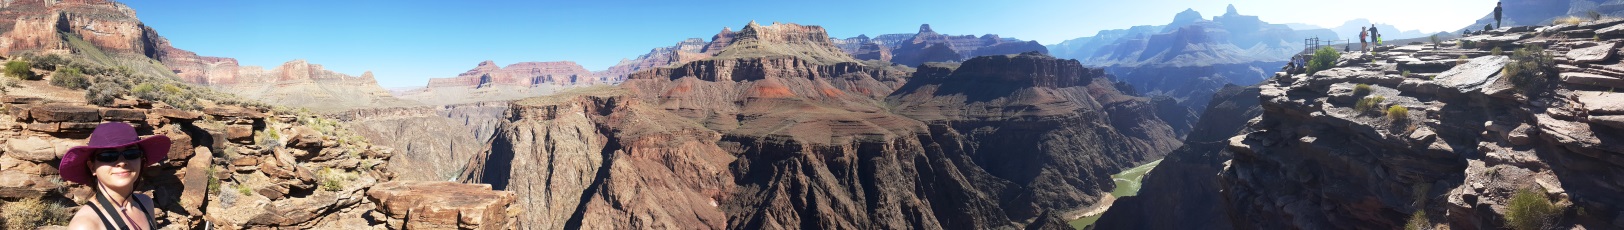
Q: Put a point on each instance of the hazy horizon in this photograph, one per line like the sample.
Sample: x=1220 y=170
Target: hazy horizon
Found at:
x=405 y=43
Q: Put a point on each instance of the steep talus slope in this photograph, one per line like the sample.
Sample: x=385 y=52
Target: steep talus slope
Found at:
x=775 y=132
x=1472 y=137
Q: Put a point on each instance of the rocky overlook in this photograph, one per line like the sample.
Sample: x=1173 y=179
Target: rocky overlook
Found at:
x=1466 y=135
x=781 y=129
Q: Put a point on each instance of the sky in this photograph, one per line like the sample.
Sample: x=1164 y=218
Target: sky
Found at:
x=406 y=42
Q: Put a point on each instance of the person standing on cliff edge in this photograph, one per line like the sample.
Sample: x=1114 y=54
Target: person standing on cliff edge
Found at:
x=111 y=164
x=1362 y=44
x=1497 y=15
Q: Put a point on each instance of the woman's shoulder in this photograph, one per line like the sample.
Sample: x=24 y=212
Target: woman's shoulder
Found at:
x=85 y=219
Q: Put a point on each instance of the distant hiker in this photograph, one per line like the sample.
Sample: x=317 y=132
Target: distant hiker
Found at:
x=1497 y=14
x=1362 y=34
x=1375 y=37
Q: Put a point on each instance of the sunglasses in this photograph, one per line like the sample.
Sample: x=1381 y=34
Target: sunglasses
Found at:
x=112 y=156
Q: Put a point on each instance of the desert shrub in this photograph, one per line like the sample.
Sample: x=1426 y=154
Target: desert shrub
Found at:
x=1465 y=44
x=102 y=93
x=1593 y=15
x=19 y=69
x=1435 y=41
x=214 y=183
x=1368 y=104
x=1530 y=209
x=1323 y=59
x=1418 y=221
x=245 y=190
x=1361 y=90
x=333 y=180
x=1398 y=113
x=1569 y=20
x=1462 y=60
x=69 y=77
x=1530 y=69
x=32 y=212
x=1497 y=51
x=49 y=61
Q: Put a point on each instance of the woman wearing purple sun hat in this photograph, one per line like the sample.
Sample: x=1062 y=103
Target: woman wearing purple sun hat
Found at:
x=111 y=165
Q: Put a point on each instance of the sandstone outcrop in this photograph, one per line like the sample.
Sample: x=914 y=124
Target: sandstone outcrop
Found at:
x=781 y=129
x=443 y=205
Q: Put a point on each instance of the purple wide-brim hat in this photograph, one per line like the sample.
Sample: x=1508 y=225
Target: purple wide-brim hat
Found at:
x=110 y=135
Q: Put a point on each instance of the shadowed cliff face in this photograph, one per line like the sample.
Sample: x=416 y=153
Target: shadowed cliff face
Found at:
x=1182 y=193
x=772 y=140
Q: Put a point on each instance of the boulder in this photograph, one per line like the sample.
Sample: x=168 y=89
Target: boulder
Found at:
x=196 y=180
x=241 y=134
x=305 y=138
x=123 y=114
x=32 y=149
x=64 y=113
x=444 y=205
x=29 y=167
x=1593 y=54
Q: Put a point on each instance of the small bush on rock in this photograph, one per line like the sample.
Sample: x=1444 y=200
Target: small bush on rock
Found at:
x=1368 y=104
x=19 y=69
x=1323 y=59
x=1530 y=209
x=1530 y=69
x=1398 y=113
x=1361 y=90
x=1418 y=221
x=1497 y=51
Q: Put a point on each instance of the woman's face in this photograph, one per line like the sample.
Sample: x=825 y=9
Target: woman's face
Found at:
x=120 y=172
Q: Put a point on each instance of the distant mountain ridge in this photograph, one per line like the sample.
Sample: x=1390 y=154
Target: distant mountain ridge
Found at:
x=1191 y=40
x=929 y=46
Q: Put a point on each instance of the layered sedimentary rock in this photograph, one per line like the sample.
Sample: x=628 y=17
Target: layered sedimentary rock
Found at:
x=300 y=84
x=39 y=25
x=434 y=141
x=526 y=74
x=782 y=130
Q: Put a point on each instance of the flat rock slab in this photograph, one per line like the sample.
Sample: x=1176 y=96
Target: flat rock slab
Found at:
x=64 y=113
x=1473 y=75
x=1593 y=54
x=32 y=149
x=1592 y=79
x=442 y=204
x=1603 y=103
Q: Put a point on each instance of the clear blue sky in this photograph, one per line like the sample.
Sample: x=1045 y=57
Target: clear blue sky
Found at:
x=406 y=42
